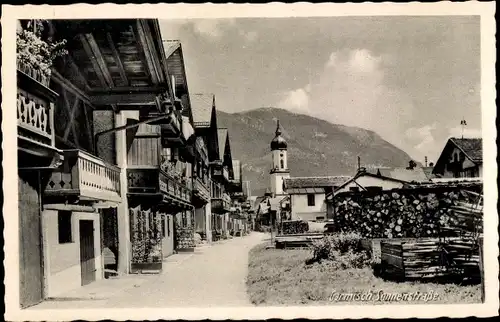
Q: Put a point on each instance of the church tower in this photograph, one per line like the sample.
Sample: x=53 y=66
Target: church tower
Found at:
x=279 y=170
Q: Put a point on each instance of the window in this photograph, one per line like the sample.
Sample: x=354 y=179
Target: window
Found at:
x=64 y=227
x=282 y=163
x=311 y=199
x=168 y=226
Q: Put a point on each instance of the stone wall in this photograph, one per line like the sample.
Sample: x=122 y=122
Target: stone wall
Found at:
x=401 y=213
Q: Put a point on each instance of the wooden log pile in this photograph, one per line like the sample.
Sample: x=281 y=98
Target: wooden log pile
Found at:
x=294 y=227
x=432 y=258
x=404 y=213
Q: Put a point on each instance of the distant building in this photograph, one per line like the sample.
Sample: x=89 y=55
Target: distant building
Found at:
x=279 y=170
x=460 y=158
x=365 y=180
x=410 y=174
x=307 y=196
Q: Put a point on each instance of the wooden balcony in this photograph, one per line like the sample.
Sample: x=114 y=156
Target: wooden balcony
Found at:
x=84 y=177
x=220 y=205
x=156 y=183
x=220 y=172
x=201 y=190
x=35 y=117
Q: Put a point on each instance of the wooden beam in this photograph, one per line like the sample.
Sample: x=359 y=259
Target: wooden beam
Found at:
x=148 y=53
x=92 y=58
x=70 y=87
x=128 y=90
x=100 y=59
x=117 y=58
x=124 y=99
x=71 y=112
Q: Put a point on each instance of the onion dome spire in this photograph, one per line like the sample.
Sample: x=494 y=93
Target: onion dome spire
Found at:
x=278 y=143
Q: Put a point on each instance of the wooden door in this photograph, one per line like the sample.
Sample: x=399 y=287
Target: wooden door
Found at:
x=87 y=260
x=30 y=246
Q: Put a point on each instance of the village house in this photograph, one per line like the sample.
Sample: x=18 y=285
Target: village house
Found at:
x=81 y=186
x=308 y=196
x=205 y=124
x=237 y=212
x=114 y=160
x=222 y=171
x=460 y=158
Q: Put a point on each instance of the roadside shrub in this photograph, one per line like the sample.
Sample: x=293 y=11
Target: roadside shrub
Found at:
x=342 y=250
x=294 y=227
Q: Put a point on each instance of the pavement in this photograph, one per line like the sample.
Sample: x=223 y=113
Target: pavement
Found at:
x=211 y=276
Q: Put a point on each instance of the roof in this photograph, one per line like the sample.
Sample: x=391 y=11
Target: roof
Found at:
x=404 y=174
x=274 y=203
x=201 y=106
x=428 y=172
x=278 y=143
x=171 y=46
x=257 y=202
x=361 y=174
x=222 y=135
x=473 y=148
x=315 y=182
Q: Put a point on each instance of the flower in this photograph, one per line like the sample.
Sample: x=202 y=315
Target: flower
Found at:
x=34 y=52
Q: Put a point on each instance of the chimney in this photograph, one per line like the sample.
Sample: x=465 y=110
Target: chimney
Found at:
x=359 y=162
x=425 y=161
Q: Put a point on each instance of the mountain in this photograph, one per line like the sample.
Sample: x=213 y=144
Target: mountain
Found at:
x=315 y=147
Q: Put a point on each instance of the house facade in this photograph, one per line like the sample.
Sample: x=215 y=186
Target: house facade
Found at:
x=116 y=167
x=460 y=158
x=307 y=196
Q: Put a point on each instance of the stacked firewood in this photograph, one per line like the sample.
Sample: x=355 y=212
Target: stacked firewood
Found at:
x=294 y=227
x=434 y=258
x=400 y=214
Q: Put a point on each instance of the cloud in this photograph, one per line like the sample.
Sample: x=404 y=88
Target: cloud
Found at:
x=250 y=36
x=332 y=60
x=295 y=100
x=467 y=132
x=351 y=90
x=423 y=141
x=212 y=27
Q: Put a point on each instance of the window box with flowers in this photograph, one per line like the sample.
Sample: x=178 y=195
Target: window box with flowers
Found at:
x=36 y=51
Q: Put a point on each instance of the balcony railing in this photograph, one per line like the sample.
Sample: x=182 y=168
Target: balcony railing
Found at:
x=220 y=172
x=200 y=189
x=220 y=205
x=86 y=177
x=35 y=109
x=155 y=181
x=174 y=187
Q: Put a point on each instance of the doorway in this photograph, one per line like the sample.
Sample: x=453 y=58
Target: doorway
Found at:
x=87 y=256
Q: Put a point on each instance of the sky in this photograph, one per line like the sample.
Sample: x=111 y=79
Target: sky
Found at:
x=410 y=79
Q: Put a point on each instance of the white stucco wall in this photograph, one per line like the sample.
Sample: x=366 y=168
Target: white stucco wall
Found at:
x=62 y=267
x=300 y=209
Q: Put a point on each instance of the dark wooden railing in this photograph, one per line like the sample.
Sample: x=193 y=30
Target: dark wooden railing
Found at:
x=154 y=181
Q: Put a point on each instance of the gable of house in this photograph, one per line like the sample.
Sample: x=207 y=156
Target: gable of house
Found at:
x=459 y=154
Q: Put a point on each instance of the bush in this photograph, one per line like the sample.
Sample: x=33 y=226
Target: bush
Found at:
x=294 y=227
x=344 y=250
